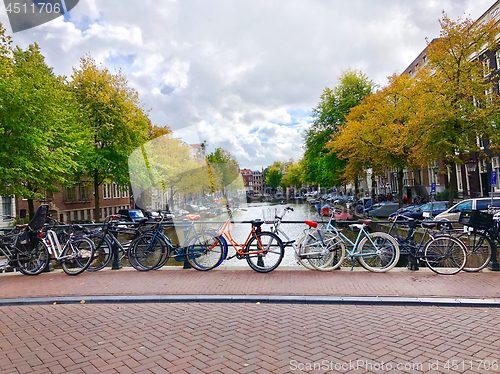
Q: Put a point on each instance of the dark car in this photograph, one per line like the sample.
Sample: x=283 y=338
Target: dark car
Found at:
x=133 y=215
x=426 y=211
x=383 y=210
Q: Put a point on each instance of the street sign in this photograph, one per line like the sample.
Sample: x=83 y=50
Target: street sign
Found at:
x=433 y=188
x=493 y=178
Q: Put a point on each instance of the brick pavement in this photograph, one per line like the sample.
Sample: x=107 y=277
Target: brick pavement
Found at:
x=176 y=281
x=246 y=338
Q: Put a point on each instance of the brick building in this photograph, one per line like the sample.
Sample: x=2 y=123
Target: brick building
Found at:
x=77 y=203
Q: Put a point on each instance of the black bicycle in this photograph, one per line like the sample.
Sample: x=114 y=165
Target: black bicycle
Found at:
x=107 y=237
x=23 y=249
x=442 y=253
x=480 y=237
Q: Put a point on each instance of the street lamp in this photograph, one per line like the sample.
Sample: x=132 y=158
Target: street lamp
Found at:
x=471 y=167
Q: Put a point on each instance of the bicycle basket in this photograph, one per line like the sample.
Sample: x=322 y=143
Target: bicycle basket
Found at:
x=476 y=219
x=268 y=215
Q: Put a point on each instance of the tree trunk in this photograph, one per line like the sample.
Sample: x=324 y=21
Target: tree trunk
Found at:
x=96 y=198
x=453 y=183
x=31 y=208
x=356 y=187
x=373 y=189
x=400 y=187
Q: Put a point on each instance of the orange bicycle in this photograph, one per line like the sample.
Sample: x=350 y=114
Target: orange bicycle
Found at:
x=263 y=250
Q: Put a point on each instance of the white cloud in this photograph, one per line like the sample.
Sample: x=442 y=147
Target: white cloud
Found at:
x=245 y=73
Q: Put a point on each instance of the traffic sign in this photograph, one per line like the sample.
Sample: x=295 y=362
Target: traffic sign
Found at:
x=433 y=188
x=493 y=178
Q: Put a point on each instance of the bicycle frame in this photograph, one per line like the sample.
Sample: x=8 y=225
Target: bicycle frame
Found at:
x=238 y=247
x=331 y=228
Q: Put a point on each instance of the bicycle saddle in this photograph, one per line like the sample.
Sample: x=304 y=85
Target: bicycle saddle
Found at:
x=257 y=223
x=428 y=225
x=365 y=221
x=311 y=224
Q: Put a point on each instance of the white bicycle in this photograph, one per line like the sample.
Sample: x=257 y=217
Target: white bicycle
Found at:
x=75 y=255
x=311 y=261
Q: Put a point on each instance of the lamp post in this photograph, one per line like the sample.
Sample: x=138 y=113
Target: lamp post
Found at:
x=470 y=166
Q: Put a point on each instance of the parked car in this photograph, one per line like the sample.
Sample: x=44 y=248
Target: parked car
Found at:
x=406 y=209
x=453 y=213
x=425 y=211
x=133 y=215
x=383 y=210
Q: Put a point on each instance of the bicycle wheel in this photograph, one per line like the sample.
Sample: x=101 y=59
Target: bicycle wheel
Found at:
x=35 y=261
x=102 y=254
x=299 y=256
x=146 y=252
x=205 y=252
x=445 y=255
x=324 y=253
x=479 y=250
x=378 y=252
x=264 y=252
x=77 y=255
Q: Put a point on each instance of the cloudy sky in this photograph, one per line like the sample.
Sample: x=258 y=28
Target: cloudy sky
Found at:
x=246 y=74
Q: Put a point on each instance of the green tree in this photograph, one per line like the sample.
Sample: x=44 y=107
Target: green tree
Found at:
x=321 y=165
x=112 y=113
x=40 y=140
x=224 y=167
x=274 y=174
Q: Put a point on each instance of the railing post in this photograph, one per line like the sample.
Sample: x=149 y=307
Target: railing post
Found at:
x=116 y=257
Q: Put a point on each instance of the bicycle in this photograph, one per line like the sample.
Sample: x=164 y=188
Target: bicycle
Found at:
x=203 y=250
x=480 y=235
x=263 y=250
x=22 y=249
x=106 y=238
x=77 y=252
x=442 y=253
x=276 y=229
x=326 y=249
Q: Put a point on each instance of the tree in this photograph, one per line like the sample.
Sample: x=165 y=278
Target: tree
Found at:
x=384 y=131
x=460 y=103
x=274 y=174
x=225 y=166
x=293 y=176
x=321 y=165
x=41 y=141
x=113 y=114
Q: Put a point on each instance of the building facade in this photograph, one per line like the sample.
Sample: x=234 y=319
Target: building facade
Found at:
x=77 y=203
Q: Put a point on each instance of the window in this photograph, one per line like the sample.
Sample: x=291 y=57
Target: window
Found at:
x=125 y=191
x=486 y=68
x=482 y=204
x=75 y=215
x=77 y=193
x=83 y=193
x=116 y=191
x=88 y=215
x=106 y=191
x=70 y=195
x=6 y=208
x=68 y=217
x=497 y=58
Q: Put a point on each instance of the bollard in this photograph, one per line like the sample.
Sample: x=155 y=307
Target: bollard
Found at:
x=186 y=264
x=493 y=265
x=116 y=257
